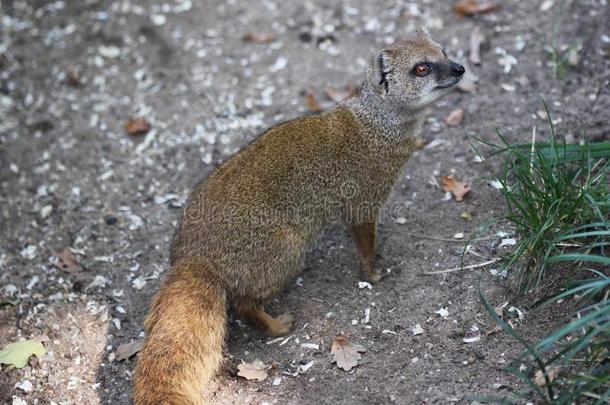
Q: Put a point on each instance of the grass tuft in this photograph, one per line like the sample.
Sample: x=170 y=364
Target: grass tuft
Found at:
x=571 y=364
x=558 y=200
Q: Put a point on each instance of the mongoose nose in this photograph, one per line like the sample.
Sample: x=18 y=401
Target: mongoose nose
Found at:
x=457 y=69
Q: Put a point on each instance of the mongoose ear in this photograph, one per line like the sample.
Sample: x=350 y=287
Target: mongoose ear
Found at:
x=422 y=33
x=381 y=67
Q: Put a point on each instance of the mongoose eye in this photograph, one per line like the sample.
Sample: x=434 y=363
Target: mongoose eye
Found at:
x=422 y=69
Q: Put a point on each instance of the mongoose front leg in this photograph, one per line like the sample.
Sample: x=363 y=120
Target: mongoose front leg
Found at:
x=365 y=238
x=256 y=316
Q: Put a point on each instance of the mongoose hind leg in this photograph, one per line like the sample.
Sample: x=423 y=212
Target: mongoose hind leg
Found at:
x=256 y=316
x=365 y=238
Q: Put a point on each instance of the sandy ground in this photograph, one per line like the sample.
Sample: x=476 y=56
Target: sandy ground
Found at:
x=72 y=73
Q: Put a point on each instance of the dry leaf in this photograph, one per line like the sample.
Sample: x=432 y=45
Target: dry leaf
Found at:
x=459 y=190
x=476 y=39
x=256 y=370
x=73 y=79
x=466 y=215
x=66 y=261
x=127 y=350
x=455 y=117
x=259 y=37
x=18 y=354
x=339 y=95
x=470 y=7
x=137 y=126
x=551 y=372
x=345 y=353
x=419 y=143
x=312 y=103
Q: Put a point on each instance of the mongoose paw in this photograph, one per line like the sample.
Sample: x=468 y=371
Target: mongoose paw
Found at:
x=282 y=325
x=374 y=277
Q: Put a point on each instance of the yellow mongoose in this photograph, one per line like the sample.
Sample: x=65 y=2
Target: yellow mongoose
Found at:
x=246 y=227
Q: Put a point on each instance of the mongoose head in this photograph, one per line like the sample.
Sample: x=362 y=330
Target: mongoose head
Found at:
x=413 y=73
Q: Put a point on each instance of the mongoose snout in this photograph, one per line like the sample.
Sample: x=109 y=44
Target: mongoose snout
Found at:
x=457 y=69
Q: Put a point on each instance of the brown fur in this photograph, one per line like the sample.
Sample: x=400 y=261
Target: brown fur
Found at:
x=176 y=358
x=246 y=228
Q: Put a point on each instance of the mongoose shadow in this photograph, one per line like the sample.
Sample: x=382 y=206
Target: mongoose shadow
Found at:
x=246 y=228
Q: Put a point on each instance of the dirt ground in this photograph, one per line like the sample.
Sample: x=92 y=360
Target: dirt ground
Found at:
x=74 y=72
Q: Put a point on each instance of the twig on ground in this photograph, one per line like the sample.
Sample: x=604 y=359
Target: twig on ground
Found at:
x=441 y=239
x=470 y=267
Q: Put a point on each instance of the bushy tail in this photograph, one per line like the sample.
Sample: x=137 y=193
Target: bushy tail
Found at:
x=183 y=350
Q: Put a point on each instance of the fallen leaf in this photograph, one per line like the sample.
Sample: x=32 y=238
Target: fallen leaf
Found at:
x=459 y=190
x=476 y=39
x=345 y=353
x=551 y=372
x=339 y=95
x=312 y=103
x=259 y=37
x=419 y=143
x=66 y=261
x=73 y=78
x=137 y=126
x=126 y=350
x=256 y=370
x=19 y=353
x=455 y=117
x=470 y=7
x=466 y=215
